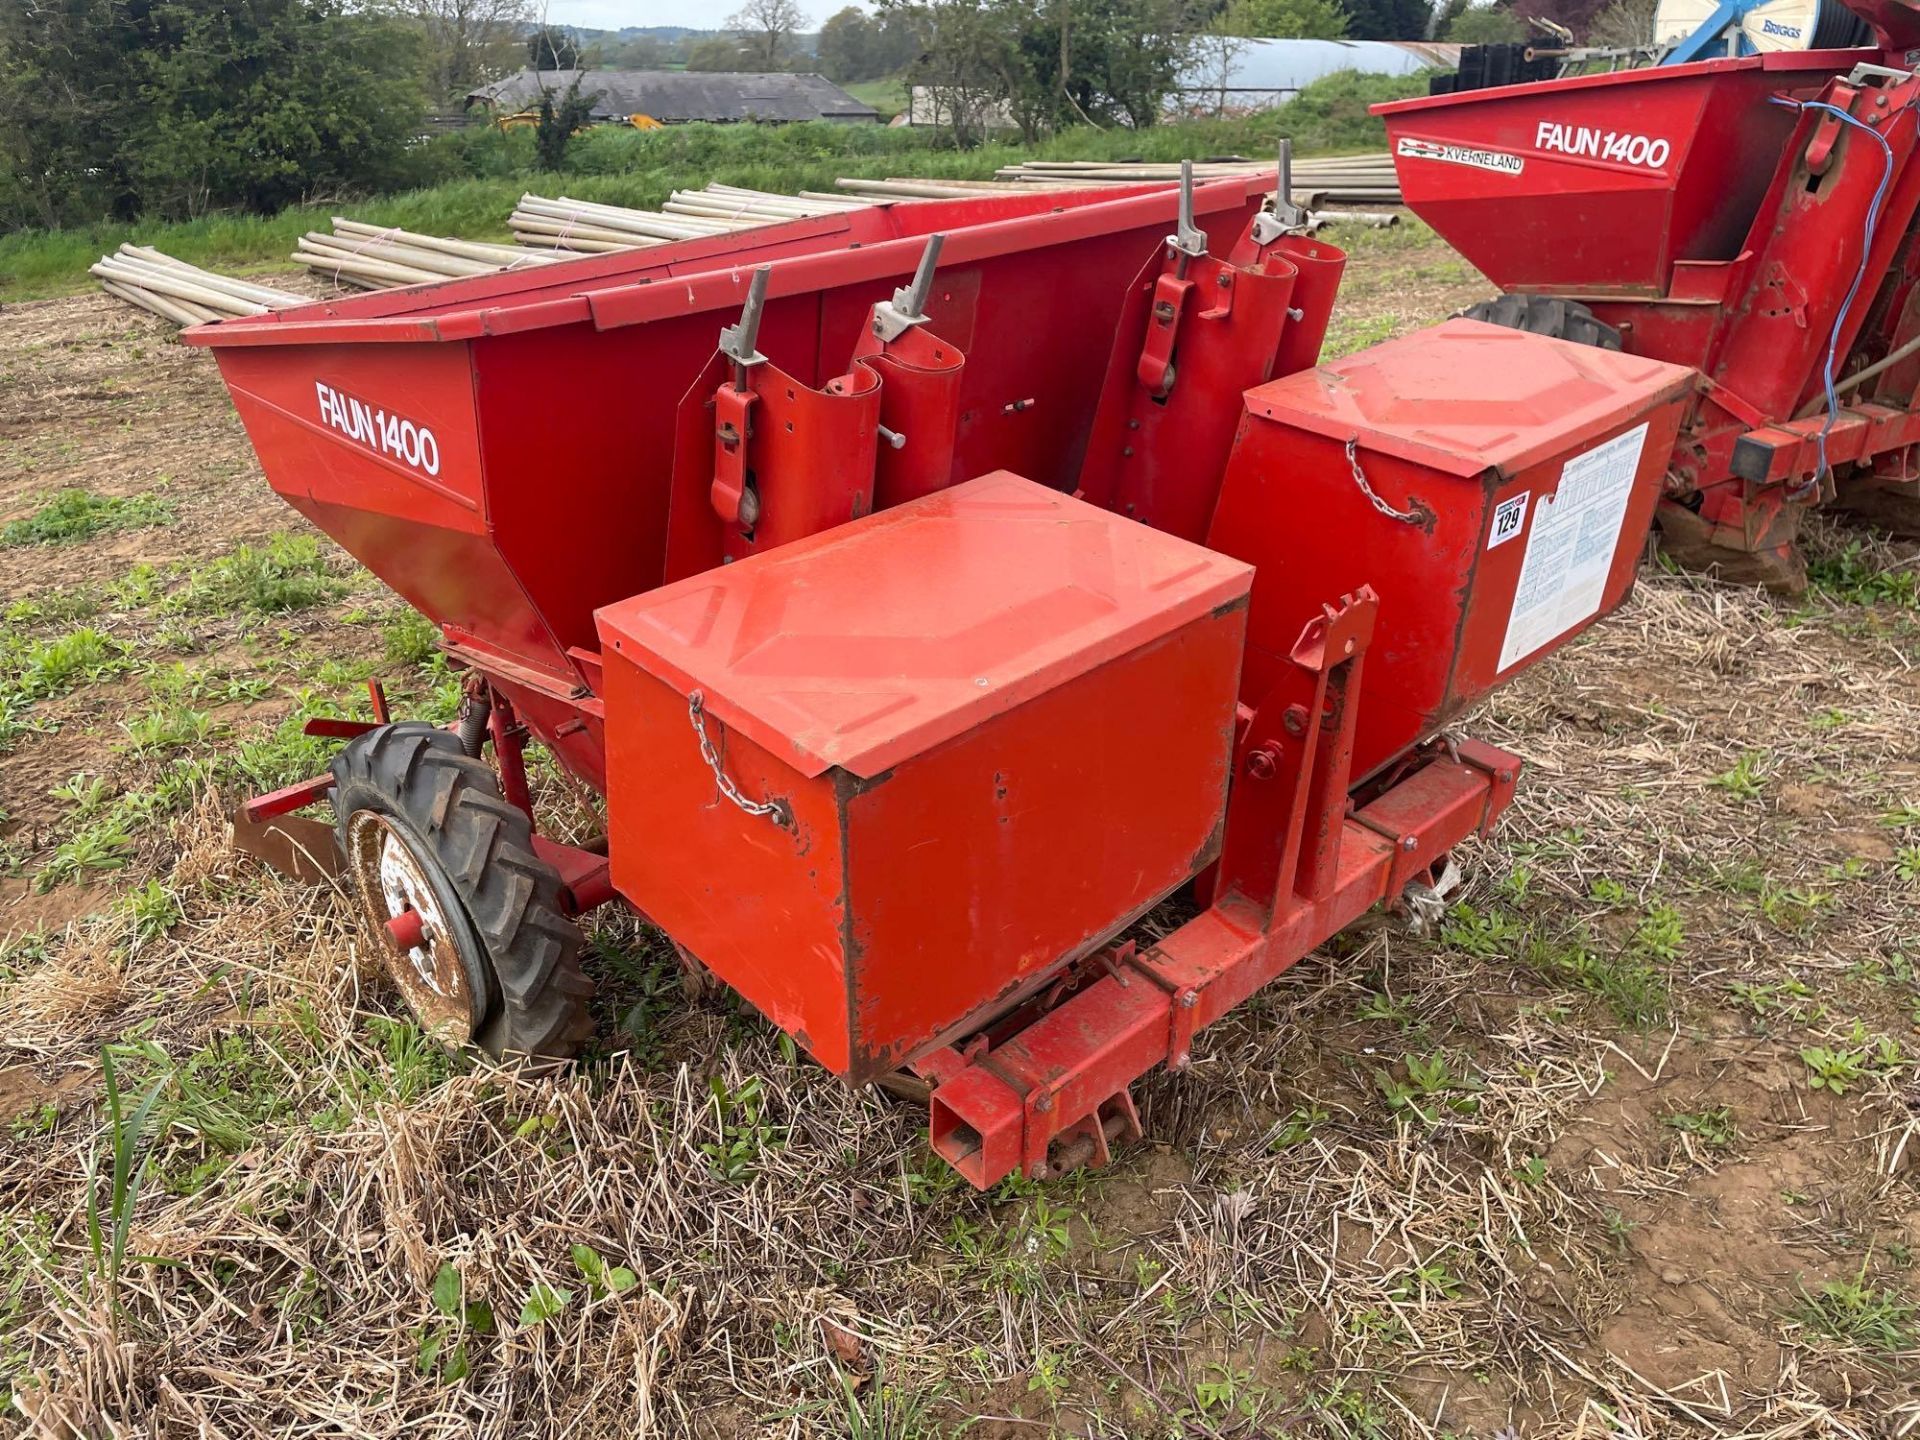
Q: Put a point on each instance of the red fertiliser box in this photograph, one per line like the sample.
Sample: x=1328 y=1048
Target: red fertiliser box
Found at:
x=997 y=722
x=1524 y=472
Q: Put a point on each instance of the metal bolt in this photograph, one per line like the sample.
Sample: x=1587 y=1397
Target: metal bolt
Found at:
x=1260 y=764
x=1044 y=1103
x=1409 y=842
x=1181 y=1062
x=1226 y=276
x=1295 y=719
x=1503 y=776
x=1188 y=999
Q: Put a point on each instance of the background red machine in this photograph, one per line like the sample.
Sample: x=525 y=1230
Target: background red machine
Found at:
x=923 y=637
x=1752 y=218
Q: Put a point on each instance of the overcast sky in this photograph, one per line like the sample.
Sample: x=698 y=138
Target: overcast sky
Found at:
x=700 y=14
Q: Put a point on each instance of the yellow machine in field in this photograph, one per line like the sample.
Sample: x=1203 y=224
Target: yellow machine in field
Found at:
x=527 y=119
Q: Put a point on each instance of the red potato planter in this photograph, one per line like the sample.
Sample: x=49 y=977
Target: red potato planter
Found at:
x=932 y=591
x=1753 y=218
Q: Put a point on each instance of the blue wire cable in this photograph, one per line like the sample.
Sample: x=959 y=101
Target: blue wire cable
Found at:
x=1859 y=275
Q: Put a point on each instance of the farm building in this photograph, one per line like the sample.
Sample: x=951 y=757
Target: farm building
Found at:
x=675 y=97
x=1237 y=76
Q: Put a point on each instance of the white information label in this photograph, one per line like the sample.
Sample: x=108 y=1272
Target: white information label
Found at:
x=1570 y=549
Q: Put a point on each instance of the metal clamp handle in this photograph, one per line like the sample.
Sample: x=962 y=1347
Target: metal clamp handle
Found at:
x=1188 y=240
x=774 y=810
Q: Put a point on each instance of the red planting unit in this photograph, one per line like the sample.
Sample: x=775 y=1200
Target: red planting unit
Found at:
x=1752 y=218
x=933 y=591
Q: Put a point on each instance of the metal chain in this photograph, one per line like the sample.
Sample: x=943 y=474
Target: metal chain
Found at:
x=696 y=712
x=1414 y=514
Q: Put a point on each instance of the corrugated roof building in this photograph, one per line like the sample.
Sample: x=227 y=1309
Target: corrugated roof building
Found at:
x=1238 y=76
x=677 y=97
x=1244 y=75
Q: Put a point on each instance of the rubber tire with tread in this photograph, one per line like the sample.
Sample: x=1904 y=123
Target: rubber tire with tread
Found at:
x=1544 y=315
x=417 y=774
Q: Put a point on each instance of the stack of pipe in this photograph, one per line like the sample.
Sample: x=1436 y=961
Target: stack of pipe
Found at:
x=1319 y=180
x=183 y=293
x=588 y=227
x=1308 y=196
x=376 y=257
x=910 y=187
x=735 y=203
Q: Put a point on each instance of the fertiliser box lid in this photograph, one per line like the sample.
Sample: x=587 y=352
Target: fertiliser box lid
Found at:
x=1463 y=397
x=871 y=643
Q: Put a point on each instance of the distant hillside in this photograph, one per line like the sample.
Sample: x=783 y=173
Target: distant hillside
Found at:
x=666 y=34
x=679 y=38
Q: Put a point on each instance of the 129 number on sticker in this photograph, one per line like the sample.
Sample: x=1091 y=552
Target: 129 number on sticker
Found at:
x=1509 y=519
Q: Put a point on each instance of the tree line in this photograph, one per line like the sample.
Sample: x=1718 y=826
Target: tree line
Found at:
x=116 y=109
x=119 y=108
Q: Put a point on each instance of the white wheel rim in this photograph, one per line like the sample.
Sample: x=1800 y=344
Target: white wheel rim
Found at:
x=392 y=885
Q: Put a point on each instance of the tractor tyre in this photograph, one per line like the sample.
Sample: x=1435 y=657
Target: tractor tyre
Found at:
x=1544 y=315
x=465 y=913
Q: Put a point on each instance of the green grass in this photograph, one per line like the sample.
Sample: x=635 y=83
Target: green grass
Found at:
x=1715 y=1127
x=103 y=846
x=1746 y=779
x=888 y=96
x=80 y=514
x=53 y=667
x=1629 y=976
x=411 y=638
x=289 y=572
x=1855 y=1314
x=1851 y=575
x=169 y=727
x=1842 y=1065
x=486 y=171
x=268 y=759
